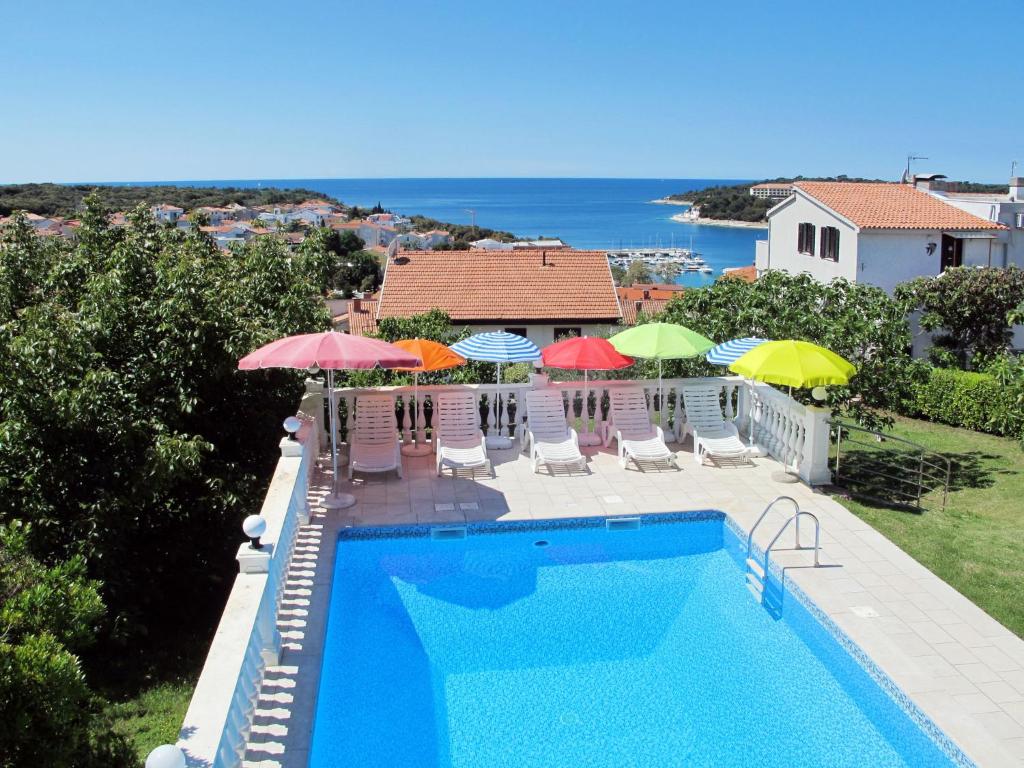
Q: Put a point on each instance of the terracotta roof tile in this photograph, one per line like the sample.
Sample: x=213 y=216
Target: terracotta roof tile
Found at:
x=501 y=285
x=650 y=307
x=362 y=321
x=881 y=205
x=747 y=274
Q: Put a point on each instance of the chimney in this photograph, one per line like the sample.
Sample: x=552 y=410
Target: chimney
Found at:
x=357 y=305
x=647 y=293
x=1017 y=188
x=543 y=258
x=639 y=305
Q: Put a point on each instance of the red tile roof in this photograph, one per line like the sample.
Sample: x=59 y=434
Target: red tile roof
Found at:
x=747 y=274
x=361 y=321
x=650 y=307
x=501 y=285
x=881 y=205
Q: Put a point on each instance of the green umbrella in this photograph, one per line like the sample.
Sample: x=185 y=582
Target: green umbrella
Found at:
x=661 y=341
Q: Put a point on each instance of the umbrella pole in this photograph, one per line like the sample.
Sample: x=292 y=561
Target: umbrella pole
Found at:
x=497 y=440
x=587 y=437
x=661 y=399
x=335 y=500
x=419 y=448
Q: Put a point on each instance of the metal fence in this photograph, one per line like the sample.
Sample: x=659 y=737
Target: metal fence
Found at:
x=886 y=469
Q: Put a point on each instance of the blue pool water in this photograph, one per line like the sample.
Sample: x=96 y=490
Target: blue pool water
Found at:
x=595 y=648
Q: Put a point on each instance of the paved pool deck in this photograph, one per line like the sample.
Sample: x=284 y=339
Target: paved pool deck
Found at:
x=962 y=668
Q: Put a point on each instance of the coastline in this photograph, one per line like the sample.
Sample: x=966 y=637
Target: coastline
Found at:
x=682 y=218
x=667 y=201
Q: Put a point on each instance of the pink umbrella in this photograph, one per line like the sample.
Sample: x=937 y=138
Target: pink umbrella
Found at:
x=329 y=351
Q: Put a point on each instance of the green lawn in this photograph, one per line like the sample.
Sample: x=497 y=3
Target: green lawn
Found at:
x=977 y=543
x=152 y=717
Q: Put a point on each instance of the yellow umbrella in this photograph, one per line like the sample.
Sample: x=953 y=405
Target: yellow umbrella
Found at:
x=794 y=364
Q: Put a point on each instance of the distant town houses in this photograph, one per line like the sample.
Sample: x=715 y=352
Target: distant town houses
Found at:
x=167 y=214
x=235 y=223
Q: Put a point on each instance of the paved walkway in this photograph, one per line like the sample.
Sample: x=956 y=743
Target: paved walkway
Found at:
x=960 y=666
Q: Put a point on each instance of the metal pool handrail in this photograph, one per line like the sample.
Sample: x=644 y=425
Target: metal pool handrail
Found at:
x=796 y=512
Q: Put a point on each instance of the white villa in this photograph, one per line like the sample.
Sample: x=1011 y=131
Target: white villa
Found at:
x=876 y=233
x=167 y=214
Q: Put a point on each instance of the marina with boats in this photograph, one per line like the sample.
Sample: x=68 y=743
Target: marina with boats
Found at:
x=685 y=258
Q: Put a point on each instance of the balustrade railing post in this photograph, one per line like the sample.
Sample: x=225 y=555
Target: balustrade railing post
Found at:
x=813 y=468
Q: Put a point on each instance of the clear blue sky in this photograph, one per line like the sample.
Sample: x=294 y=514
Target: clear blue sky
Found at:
x=162 y=91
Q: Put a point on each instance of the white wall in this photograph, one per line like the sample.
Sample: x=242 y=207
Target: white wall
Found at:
x=541 y=334
x=783 y=228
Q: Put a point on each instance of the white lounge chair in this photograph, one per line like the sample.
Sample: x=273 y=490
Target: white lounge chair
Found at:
x=374 y=445
x=550 y=440
x=459 y=442
x=713 y=436
x=630 y=426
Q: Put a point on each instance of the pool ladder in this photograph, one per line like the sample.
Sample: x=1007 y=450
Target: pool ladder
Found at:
x=759 y=573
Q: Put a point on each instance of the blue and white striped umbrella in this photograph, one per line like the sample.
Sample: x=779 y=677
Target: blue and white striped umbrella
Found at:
x=497 y=347
x=729 y=352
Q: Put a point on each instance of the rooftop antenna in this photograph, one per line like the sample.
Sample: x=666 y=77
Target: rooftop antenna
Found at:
x=907 y=178
x=472 y=213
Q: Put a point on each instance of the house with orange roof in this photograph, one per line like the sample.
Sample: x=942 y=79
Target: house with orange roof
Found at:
x=542 y=295
x=167 y=214
x=876 y=233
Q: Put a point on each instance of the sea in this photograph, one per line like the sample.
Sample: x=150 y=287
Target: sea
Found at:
x=586 y=213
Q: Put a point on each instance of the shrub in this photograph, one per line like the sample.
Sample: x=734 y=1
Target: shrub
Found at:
x=970 y=400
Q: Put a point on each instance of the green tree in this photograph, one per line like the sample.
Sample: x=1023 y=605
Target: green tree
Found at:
x=637 y=272
x=126 y=432
x=47 y=614
x=970 y=310
x=861 y=323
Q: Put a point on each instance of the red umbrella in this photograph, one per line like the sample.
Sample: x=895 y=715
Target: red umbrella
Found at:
x=585 y=353
x=329 y=351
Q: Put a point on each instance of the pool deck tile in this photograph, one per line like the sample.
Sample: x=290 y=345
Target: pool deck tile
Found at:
x=958 y=665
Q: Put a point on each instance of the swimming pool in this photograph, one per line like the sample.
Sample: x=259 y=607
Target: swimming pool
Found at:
x=565 y=644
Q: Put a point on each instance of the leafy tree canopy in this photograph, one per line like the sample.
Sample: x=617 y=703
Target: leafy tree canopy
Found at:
x=861 y=323
x=127 y=435
x=637 y=272
x=970 y=309
x=67 y=199
x=47 y=613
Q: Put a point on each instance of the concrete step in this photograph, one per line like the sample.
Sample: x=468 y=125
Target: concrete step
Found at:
x=755 y=586
x=755 y=567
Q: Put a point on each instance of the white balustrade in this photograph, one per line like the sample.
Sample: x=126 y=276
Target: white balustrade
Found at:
x=219 y=718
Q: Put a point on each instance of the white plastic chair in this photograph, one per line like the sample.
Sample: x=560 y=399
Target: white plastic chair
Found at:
x=459 y=442
x=550 y=440
x=713 y=436
x=630 y=426
x=374 y=445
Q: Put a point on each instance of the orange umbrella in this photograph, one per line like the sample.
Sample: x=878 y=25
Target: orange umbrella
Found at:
x=435 y=357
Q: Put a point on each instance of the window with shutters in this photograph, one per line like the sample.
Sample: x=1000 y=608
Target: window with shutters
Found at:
x=830 y=243
x=805 y=239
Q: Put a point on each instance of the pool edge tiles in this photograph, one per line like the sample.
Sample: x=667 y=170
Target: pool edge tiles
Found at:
x=423 y=530
x=887 y=686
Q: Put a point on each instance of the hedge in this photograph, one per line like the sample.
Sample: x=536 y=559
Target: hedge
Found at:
x=970 y=400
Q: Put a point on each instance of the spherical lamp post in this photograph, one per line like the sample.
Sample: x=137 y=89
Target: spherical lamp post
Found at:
x=166 y=756
x=253 y=527
x=292 y=425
